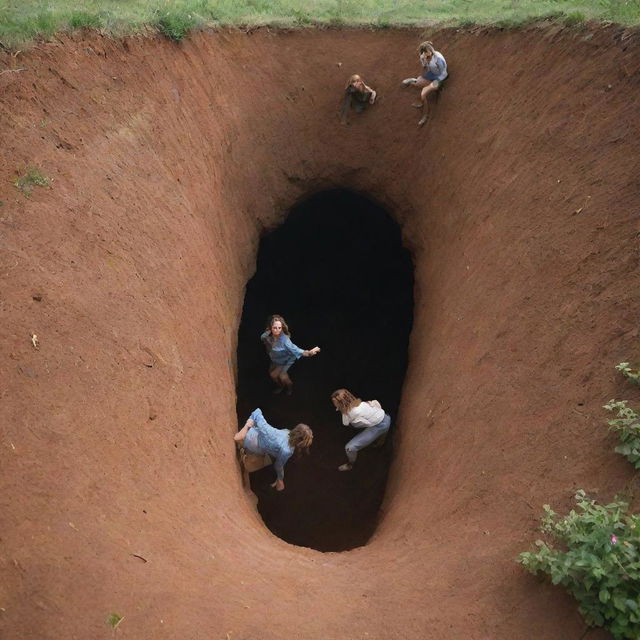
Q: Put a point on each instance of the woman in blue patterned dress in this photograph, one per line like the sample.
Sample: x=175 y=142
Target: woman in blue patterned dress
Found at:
x=259 y=438
x=282 y=352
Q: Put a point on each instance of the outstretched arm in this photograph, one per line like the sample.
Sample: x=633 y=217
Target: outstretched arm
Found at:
x=297 y=351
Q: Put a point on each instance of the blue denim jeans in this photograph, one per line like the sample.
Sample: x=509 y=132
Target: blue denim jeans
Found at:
x=366 y=437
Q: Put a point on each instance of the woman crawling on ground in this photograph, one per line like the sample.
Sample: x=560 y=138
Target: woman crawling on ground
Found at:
x=431 y=79
x=282 y=352
x=259 y=438
x=358 y=94
x=368 y=416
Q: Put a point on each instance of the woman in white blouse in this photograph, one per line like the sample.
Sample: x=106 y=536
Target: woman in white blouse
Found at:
x=367 y=416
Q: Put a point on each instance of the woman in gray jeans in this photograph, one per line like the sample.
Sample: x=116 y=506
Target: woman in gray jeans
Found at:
x=368 y=416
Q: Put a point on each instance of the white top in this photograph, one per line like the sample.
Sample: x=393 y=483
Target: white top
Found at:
x=436 y=66
x=365 y=414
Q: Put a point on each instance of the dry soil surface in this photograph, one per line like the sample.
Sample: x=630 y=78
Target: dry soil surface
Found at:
x=519 y=202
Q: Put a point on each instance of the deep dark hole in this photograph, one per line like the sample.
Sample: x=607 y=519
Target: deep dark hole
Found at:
x=336 y=270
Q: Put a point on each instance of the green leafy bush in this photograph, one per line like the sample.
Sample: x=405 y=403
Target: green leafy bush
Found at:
x=598 y=562
x=627 y=424
x=629 y=371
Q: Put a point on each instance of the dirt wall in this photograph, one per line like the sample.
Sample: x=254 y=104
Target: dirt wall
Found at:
x=120 y=488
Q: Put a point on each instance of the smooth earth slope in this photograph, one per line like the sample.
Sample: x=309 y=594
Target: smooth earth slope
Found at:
x=120 y=487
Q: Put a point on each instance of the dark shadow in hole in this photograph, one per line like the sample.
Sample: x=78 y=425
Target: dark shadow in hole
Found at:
x=336 y=270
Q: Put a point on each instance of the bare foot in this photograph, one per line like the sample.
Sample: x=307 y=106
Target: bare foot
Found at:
x=423 y=120
x=345 y=467
x=417 y=105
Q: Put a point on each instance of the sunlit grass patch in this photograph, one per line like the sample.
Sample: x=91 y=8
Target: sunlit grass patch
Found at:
x=25 y=20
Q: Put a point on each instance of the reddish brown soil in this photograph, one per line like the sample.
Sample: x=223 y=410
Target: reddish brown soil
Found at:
x=519 y=202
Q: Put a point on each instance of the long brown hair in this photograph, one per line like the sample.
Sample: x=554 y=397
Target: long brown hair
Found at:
x=275 y=318
x=300 y=438
x=345 y=400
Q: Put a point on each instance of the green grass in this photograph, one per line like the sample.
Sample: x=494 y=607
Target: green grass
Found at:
x=114 y=620
x=22 y=21
x=32 y=178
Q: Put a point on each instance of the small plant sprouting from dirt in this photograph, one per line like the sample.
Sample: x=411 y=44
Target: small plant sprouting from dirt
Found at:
x=114 y=620
x=598 y=562
x=627 y=424
x=32 y=178
x=630 y=371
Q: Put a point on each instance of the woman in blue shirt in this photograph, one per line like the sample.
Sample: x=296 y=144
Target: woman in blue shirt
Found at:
x=431 y=79
x=283 y=352
x=258 y=437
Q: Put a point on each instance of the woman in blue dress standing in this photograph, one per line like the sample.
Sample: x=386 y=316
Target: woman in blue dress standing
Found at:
x=282 y=352
x=259 y=438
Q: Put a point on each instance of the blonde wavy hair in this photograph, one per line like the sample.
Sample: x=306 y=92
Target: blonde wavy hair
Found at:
x=426 y=46
x=345 y=400
x=352 y=80
x=300 y=438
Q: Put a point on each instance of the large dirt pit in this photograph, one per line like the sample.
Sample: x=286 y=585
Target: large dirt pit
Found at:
x=514 y=217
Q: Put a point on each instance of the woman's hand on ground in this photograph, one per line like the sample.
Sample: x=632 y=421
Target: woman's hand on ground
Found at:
x=278 y=485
